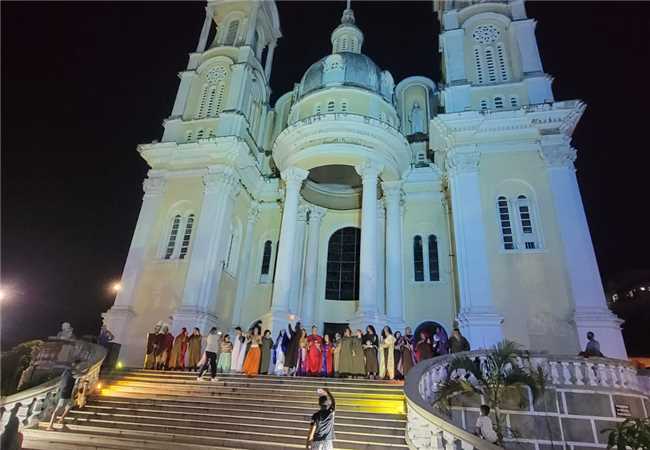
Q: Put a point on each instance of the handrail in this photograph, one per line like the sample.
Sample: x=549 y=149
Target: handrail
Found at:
x=34 y=404
x=428 y=428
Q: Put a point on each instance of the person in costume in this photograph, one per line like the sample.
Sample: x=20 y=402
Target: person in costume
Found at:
x=152 y=344
x=440 y=342
x=336 y=352
x=370 y=348
x=177 y=357
x=359 y=360
x=407 y=360
x=397 y=355
x=293 y=349
x=194 y=349
x=301 y=368
x=267 y=350
x=328 y=360
x=279 y=352
x=225 y=355
x=387 y=354
x=424 y=348
x=251 y=366
x=314 y=353
x=238 y=350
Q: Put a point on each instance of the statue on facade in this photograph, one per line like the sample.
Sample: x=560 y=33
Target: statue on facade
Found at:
x=416 y=117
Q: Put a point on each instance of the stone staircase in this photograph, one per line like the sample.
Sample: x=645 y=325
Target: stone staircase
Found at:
x=144 y=409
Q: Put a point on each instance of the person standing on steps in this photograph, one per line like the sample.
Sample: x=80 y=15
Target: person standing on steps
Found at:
x=66 y=386
x=194 y=350
x=358 y=359
x=177 y=356
x=238 y=349
x=267 y=348
x=225 y=355
x=321 y=430
x=328 y=361
x=370 y=348
x=424 y=348
x=279 y=353
x=211 y=349
x=387 y=354
x=314 y=353
x=251 y=365
x=293 y=349
x=457 y=342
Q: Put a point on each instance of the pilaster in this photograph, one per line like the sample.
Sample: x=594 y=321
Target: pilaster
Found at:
x=316 y=215
x=245 y=264
x=394 y=264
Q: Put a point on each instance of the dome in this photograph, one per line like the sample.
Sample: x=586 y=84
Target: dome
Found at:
x=347 y=69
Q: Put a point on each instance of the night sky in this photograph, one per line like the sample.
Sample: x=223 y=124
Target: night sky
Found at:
x=84 y=83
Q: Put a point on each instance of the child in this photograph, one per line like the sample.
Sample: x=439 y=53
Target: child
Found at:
x=321 y=429
x=484 y=427
x=223 y=366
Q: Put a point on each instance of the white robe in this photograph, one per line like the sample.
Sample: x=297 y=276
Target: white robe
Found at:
x=279 y=361
x=237 y=358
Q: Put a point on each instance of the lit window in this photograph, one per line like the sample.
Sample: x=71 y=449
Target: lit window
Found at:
x=434 y=269
x=418 y=258
x=185 y=244
x=507 y=234
x=528 y=235
x=266 y=261
x=343 y=255
x=173 y=235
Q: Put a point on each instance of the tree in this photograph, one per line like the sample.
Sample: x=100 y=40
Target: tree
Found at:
x=497 y=376
x=631 y=433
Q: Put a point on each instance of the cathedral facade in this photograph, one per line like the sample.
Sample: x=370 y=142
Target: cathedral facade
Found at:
x=356 y=200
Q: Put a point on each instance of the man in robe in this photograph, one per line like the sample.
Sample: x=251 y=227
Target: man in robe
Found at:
x=314 y=353
x=293 y=349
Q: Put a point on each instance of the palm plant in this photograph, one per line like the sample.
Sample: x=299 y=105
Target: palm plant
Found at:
x=631 y=433
x=496 y=377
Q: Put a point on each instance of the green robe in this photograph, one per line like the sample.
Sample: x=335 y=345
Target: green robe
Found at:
x=267 y=346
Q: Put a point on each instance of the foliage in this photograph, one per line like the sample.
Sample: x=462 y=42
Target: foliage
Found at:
x=497 y=377
x=632 y=433
x=13 y=362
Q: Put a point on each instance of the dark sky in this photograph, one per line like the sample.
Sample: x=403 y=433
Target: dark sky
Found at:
x=84 y=83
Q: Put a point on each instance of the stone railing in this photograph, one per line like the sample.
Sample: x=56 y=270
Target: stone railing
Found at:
x=429 y=428
x=37 y=403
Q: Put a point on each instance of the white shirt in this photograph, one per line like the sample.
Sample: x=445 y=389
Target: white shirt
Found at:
x=212 y=344
x=484 y=424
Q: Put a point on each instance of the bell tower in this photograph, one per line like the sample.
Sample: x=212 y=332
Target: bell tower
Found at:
x=490 y=57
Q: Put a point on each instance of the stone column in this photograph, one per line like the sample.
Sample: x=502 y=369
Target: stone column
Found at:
x=394 y=264
x=209 y=247
x=381 y=257
x=297 y=261
x=311 y=265
x=268 y=64
x=245 y=264
x=252 y=24
x=118 y=318
x=187 y=77
x=527 y=44
x=591 y=311
x=478 y=318
x=205 y=31
x=367 y=311
x=293 y=178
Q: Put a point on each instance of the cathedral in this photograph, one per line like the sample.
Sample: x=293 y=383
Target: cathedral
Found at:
x=356 y=200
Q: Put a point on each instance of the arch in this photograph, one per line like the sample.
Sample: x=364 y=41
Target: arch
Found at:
x=187 y=236
x=343 y=257
x=172 y=236
x=418 y=258
x=429 y=327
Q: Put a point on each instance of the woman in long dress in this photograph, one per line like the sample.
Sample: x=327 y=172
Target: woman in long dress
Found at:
x=177 y=356
x=407 y=360
x=328 y=361
x=358 y=359
x=398 y=355
x=387 y=354
x=251 y=366
x=336 y=353
x=423 y=349
x=194 y=349
x=302 y=364
x=314 y=353
x=225 y=355
x=293 y=349
x=345 y=363
x=238 y=350
x=267 y=347
x=370 y=348
x=279 y=350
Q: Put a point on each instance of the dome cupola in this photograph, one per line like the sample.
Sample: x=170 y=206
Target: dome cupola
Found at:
x=347 y=37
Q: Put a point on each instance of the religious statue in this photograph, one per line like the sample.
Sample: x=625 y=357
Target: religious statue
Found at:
x=66 y=332
x=417 y=119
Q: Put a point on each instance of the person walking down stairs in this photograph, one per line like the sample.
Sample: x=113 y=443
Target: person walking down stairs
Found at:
x=211 y=349
x=321 y=429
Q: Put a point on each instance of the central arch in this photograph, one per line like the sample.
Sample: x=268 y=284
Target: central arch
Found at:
x=343 y=254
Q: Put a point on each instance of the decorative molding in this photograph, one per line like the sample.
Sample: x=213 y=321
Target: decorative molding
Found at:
x=466 y=162
x=559 y=156
x=253 y=212
x=316 y=213
x=392 y=191
x=154 y=186
x=369 y=171
x=221 y=179
x=293 y=177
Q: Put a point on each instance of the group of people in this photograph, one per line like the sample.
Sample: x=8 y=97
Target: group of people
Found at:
x=295 y=352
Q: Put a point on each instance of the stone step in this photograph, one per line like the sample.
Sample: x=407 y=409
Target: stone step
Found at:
x=225 y=420
x=173 y=437
x=369 y=386
x=271 y=392
x=356 y=404
x=197 y=406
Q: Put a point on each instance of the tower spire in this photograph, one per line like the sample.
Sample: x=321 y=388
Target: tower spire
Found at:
x=347 y=37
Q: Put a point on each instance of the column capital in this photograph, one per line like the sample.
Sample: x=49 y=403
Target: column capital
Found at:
x=303 y=211
x=221 y=179
x=253 y=212
x=559 y=156
x=293 y=177
x=463 y=162
x=368 y=170
x=381 y=209
x=392 y=190
x=316 y=214
x=154 y=186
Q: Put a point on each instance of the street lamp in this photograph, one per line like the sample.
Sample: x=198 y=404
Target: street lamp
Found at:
x=117 y=287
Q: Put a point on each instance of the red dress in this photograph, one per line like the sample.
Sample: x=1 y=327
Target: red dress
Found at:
x=314 y=354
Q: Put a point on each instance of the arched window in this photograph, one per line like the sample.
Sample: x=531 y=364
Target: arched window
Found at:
x=507 y=235
x=344 y=106
x=331 y=106
x=514 y=101
x=188 y=136
x=490 y=64
x=344 y=44
x=434 y=267
x=185 y=244
x=317 y=109
x=503 y=63
x=199 y=133
x=173 y=235
x=478 y=63
x=418 y=258
x=526 y=226
x=231 y=35
x=498 y=102
x=343 y=254
x=266 y=262
x=212 y=93
x=484 y=104
x=490 y=55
